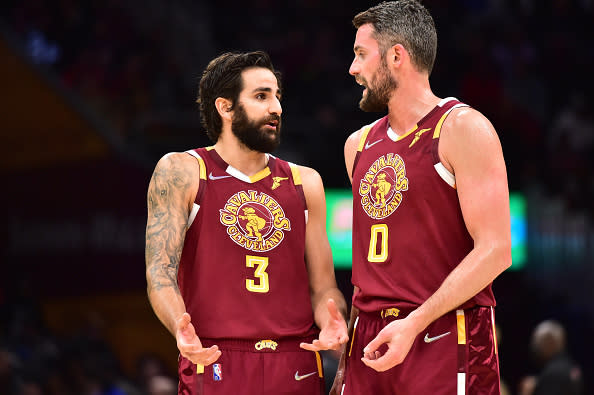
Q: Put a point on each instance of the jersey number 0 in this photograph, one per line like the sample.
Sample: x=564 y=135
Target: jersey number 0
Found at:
x=379 y=233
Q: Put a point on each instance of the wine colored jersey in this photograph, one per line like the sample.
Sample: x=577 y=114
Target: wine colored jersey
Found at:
x=242 y=272
x=408 y=229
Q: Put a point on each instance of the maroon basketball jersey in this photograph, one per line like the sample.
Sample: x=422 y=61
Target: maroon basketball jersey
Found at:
x=242 y=272
x=408 y=230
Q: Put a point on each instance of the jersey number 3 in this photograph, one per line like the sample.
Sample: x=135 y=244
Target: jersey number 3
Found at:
x=379 y=237
x=260 y=263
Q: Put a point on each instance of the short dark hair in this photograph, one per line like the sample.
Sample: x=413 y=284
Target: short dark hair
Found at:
x=405 y=22
x=222 y=78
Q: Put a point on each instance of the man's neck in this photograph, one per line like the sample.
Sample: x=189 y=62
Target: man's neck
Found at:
x=247 y=161
x=410 y=102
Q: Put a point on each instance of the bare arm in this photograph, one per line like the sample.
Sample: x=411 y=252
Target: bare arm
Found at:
x=171 y=192
x=169 y=199
x=327 y=301
x=470 y=149
x=350 y=151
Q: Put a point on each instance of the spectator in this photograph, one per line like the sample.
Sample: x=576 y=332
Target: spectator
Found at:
x=559 y=375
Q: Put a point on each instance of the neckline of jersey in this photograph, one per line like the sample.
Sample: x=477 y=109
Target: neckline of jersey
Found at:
x=236 y=173
x=392 y=135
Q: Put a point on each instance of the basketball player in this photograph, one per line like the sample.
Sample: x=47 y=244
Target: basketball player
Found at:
x=239 y=267
x=431 y=223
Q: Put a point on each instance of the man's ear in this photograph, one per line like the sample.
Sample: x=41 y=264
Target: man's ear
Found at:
x=396 y=55
x=224 y=107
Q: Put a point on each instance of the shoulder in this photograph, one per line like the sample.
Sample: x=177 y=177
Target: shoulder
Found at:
x=177 y=160
x=311 y=181
x=354 y=139
x=180 y=167
x=467 y=122
x=467 y=136
x=309 y=176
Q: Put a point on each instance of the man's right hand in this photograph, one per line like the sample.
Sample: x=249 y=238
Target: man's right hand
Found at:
x=189 y=344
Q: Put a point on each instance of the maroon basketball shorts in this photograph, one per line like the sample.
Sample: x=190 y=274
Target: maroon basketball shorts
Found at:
x=456 y=354
x=260 y=367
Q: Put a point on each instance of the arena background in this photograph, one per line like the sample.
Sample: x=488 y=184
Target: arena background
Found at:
x=95 y=92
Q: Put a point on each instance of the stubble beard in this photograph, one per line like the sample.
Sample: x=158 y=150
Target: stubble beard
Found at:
x=379 y=91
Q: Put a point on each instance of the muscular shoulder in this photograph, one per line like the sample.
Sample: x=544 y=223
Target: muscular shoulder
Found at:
x=353 y=141
x=466 y=132
x=178 y=173
x=468 y=123
x=310 y=179
x=313 y=189
x=352 y=144
x=179 y=165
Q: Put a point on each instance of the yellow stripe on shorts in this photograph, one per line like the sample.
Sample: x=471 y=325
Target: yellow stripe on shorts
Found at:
x=461 y=326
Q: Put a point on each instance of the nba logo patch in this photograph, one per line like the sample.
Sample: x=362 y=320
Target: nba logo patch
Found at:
x=217 y=372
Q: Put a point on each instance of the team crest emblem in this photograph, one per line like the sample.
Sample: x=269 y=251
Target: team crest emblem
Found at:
x=255 y=220
x=382 y=186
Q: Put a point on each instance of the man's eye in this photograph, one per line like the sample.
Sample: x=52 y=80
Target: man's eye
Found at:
x=260 y=96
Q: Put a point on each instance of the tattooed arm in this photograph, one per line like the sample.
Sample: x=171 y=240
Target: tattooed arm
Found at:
x=171 y=192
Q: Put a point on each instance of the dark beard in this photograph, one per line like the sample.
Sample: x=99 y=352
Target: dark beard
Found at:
x=377 y=98
x=252 y=133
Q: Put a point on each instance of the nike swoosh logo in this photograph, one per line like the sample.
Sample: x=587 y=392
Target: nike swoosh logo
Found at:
x=367 y=145
x=217 y=177
x=434 y=338
x=299 y=378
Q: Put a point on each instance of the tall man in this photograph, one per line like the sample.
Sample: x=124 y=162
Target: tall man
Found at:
x=431 y=224
x=238 y=263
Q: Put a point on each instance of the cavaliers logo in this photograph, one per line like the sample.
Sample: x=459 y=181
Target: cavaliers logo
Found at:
x=381 y=187
x=254 y=220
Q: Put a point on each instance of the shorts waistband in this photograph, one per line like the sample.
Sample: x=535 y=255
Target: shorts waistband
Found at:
x=387 y=313
x=262 y=345
x=401 y=312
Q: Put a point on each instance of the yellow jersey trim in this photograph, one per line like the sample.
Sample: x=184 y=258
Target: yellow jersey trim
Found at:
x=202 y=166
x=437 y=131
x=260 y=175
x=296 y=174
x=366 y=130
x=407 y=133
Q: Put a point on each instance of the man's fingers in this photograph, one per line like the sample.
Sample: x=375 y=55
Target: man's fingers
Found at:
x=381 y=363
x=374 y=344
x=204 y=356
x=212 y=358
x=372 y=355
x=313 y=346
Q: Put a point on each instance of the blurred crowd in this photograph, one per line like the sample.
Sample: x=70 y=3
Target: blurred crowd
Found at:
x=35 y=360
x=525 y=64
